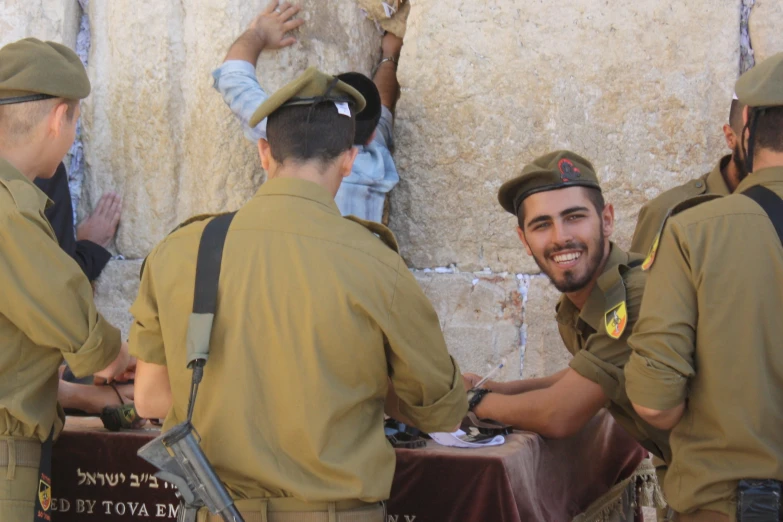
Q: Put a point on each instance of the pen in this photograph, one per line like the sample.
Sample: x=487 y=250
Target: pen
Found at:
x=490 y=374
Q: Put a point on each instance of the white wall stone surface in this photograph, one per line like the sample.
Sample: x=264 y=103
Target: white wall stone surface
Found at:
x=55 y=20
x=639 y=88
x=765 y=23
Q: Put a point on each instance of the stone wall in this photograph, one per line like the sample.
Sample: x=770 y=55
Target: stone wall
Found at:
x=640 y=88
x=56 y=20
x=155 y=129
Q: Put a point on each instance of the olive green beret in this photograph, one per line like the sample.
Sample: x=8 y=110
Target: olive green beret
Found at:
x=311 y=87
x=556 y=170
x=34 y=70
x=762 y=86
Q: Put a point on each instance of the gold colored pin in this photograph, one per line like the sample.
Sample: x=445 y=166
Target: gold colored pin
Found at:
x=615 y=320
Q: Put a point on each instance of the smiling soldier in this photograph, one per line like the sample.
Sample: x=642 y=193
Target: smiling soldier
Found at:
x=565 y=225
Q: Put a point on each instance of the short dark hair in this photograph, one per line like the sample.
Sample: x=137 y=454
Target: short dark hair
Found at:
x=367 y=120
x=309 y=132
x=595 y=196
x=769 y=129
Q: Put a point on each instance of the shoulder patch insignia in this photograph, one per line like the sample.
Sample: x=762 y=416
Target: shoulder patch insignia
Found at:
x=44 y=495
x=650 y=259
x=616 y=319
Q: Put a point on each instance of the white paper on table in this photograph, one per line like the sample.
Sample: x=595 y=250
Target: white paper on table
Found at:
x=458 y=438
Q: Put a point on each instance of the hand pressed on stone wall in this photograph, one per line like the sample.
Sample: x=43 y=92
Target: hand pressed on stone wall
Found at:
x=101 y=226
x=268 y=30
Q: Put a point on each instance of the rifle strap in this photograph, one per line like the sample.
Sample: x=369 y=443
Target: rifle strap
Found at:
x=208 y=263
x=771 y=203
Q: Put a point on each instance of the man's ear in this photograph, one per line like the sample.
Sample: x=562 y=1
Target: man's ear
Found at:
x=731 y=138
x=265 y=153
x=607 y=220
x=521 y=234
x=58 y=119
x=346 y=164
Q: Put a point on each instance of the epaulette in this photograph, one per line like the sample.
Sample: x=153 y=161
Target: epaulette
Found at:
x=676 y=209
x=190 y=220
x=612 y=284
x=386 y=235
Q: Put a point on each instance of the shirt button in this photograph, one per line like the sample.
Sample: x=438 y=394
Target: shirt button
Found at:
x=699 y=184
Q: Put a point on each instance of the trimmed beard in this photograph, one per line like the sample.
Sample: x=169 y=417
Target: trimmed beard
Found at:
x=570 y=283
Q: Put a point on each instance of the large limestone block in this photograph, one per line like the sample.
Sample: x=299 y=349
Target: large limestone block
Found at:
x=545 y=353
x=155 y=129
x=115 y=291
x=481 y=316
x=640 y=88
x=766 y=20
x=55 y=20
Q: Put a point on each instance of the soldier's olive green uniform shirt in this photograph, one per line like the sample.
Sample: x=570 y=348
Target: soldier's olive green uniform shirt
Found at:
x=654 y=212
x=710 y=332
x=293 y=394
x=601 y=358
x=46 y=313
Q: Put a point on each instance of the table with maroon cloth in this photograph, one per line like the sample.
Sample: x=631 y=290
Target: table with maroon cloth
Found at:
x=97 y=476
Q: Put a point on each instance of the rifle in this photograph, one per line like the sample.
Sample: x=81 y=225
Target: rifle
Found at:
x=176 y=453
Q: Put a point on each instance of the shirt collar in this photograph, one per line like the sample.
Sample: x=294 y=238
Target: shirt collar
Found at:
x=593 y=310
x=716 y=183
x=299 y=188
x=10 y=173
x=761 y=177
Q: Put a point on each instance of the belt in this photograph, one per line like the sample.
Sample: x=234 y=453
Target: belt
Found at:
x=25 y=453
x=256 y=509
x=702 y=515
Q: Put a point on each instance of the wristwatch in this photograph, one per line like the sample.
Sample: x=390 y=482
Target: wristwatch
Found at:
x=475 y=396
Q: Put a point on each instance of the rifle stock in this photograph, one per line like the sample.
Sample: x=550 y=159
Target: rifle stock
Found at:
x=181 y=462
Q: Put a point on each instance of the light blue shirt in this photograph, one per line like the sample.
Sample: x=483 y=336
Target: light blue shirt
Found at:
x=363 y=192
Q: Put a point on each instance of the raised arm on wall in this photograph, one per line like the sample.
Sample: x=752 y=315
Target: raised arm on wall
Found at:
x=267 y=31
x=386 y=75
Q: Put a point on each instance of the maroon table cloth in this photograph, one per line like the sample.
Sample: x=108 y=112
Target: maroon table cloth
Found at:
x=97 y=476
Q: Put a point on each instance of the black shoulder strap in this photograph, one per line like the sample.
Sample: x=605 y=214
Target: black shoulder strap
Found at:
x=771 y=203
x=210 y=257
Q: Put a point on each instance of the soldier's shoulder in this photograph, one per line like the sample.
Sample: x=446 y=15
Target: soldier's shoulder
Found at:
x=186 y=233
x=18 y=195
x=676 y=195
x=379 y=231
x=707 y=207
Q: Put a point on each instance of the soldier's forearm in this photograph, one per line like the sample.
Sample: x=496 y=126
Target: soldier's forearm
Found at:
x=388 y=87
x=247 y=47
x=525 y=385
x=152 y=395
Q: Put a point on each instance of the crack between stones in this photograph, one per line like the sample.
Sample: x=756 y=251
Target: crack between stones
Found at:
x=747 y=59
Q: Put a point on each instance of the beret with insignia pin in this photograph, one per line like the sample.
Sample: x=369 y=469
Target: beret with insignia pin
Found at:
x=556 y=170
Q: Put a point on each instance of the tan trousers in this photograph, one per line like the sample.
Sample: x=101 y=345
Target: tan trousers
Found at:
x=292 y=510
x=19 y=460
